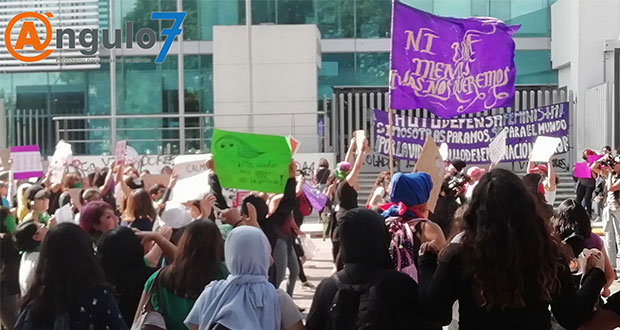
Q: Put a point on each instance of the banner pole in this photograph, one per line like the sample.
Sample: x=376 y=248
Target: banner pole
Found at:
x=391 y=142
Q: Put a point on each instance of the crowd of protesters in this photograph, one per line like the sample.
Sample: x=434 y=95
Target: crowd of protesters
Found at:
x=492 y=254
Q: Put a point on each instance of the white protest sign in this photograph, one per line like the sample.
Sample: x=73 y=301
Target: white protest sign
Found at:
x=360 y=136
x=430 y=162
x=193 y=180
x=544 y=148
x=497 y=147
x=444 y=151
x=26 y=162
x=57 y=164
x=119 y=151
x=131 y=155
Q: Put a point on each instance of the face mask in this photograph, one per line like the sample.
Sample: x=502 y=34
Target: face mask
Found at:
x=77 y=185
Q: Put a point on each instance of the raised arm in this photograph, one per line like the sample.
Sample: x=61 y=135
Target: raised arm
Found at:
x=350 y=151
x=438 y=282
x=216 y=187
x=108 y=179
x=530 y=167
x=611 y=185
x=571 y=307
x=161 y=238
x=596 y=167
x=359 y=162
x=551 y=184
x=287 y=203
x=300 y=183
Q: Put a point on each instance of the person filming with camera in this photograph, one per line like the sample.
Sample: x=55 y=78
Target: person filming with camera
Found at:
x=609 y=167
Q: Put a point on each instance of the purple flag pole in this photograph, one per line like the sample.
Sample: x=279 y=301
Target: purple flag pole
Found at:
x=391 y=139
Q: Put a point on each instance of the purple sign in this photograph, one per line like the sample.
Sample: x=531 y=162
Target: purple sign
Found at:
x=450 y=66
x=468 y=138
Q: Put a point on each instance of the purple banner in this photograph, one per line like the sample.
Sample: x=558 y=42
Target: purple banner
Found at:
x=450 y=66
x=314 y=197
x=468 y=138
x=30 y=148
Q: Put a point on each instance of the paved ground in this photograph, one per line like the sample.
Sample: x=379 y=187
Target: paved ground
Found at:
x=321 y=266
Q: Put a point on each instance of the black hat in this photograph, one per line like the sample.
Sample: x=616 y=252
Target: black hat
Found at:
x=36 y=191
x=458 y=164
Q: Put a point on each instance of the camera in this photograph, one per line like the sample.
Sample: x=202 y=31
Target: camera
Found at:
x=458 y=181
x=610 y=162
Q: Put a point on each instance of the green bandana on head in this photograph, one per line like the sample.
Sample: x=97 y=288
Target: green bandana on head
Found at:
x=10 y=224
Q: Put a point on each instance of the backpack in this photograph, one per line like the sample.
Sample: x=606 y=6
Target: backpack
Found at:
x=304 y=206
x=402 y=245
x=358 y=307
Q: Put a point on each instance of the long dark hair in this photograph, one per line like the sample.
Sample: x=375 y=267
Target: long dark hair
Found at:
x=67 y=269
x=121 y=253
x=533 y=183
x=139 y=205
x=200 y=251
x=508 y=250
x=571 y=218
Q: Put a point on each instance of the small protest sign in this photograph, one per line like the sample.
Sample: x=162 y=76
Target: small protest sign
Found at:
x=582 y=170
x=57 y=164
x=26 y=162
x=131 y=155
x=119 y=151
x=544 y=148
x=360 y=136
x=193 y=178
x=251 y=161
x=430 y=162
x=497 y=147
x=593 y=158
x=444 y=151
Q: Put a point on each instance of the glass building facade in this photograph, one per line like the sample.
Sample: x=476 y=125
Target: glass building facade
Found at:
x=144 y=87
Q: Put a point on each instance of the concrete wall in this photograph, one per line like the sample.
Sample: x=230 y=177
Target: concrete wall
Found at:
x=285 y=81
x=579 y=29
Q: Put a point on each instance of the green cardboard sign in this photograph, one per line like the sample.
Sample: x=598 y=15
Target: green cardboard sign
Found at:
x=251 y=161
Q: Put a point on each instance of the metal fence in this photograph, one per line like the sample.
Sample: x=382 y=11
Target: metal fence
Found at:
x=345 y=111
x=92 y=134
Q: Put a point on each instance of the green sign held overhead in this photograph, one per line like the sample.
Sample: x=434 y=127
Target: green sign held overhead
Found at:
x=251 y=161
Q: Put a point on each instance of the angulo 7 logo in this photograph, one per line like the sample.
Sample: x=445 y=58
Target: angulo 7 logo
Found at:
x=28 y=36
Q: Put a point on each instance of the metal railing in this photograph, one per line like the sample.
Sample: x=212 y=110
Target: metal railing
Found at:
x=91 y=133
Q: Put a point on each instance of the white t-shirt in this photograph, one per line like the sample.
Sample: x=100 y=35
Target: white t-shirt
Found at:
x=26 y=270
x=379 y=191
x=288 y=309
